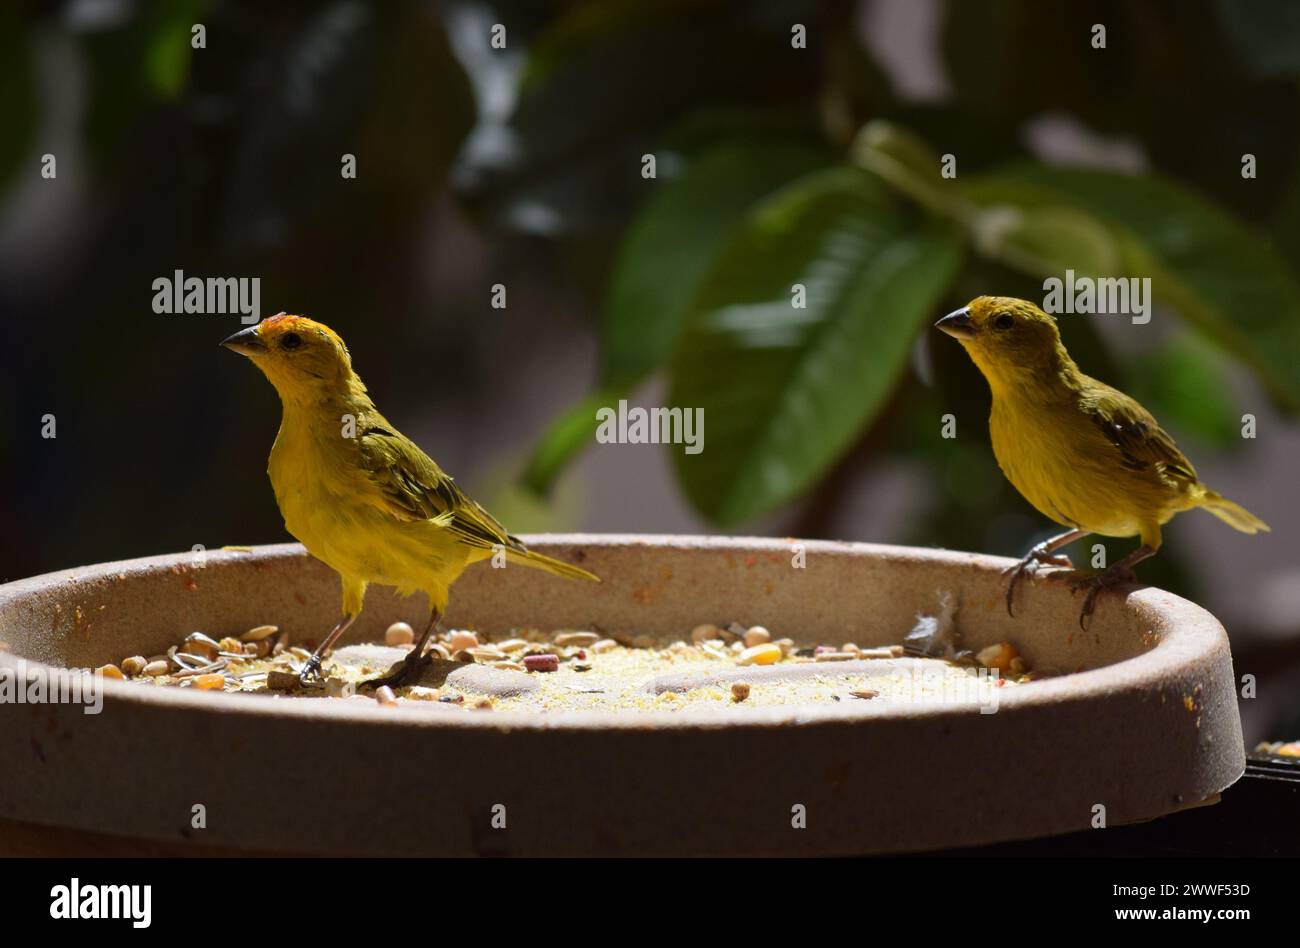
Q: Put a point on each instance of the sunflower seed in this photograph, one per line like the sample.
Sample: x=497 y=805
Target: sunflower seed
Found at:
x=196 y=643
x=258 y=633
x=888 y=651
x=188 y=661
x=705 y=632
x=201 y=670
x=576 y=639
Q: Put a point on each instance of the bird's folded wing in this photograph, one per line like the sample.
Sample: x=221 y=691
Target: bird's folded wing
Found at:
x=412 y=487
x=1135 y=433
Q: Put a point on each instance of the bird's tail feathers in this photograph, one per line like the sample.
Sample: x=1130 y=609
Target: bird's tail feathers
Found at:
x=550 y=564
x=1234 y=515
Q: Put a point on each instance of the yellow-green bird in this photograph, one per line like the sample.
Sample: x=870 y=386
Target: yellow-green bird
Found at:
x=1084 y=454
x=359 y=495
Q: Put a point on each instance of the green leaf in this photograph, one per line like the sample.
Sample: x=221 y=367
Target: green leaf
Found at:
x=675 y=239
x=167 y=60
x=1226 y=281
x=784 y=389
x=136 y=65
x=1184 y=384
x=509 y=498
x=1047 y=240
x=909 y=164
x=564 y=439
x=660 y=264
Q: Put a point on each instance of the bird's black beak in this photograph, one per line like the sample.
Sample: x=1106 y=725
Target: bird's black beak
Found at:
x=957 y=324
x=245 y=342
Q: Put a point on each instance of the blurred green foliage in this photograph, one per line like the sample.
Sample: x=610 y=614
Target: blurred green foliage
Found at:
x=776 y=165
x=218 y=160
x=844 y=195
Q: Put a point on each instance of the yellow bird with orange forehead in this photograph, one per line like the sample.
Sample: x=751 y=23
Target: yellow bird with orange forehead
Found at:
x=373 y=506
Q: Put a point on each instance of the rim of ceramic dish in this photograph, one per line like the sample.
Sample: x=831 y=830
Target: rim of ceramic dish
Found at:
x=1188 y=633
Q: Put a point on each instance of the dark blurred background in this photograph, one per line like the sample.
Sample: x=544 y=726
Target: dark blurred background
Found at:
x=782 y=155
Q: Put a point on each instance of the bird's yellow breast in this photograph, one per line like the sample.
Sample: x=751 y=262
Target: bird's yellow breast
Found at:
x=1063 y=465
x=328 y=505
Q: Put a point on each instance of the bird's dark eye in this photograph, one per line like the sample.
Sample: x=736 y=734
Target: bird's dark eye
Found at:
x=290 y=340
x=1004 y=321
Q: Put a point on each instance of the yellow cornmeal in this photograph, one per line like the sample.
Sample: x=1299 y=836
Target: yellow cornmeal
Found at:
x=626 y=695
x=619 y=675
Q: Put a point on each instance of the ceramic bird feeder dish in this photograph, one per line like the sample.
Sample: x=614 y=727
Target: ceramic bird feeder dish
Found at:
x=1143 y=720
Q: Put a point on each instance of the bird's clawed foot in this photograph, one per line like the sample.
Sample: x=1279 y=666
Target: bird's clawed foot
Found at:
x=403 y=672
x=1093 y=583
x=1029 y=564
x=310 y=675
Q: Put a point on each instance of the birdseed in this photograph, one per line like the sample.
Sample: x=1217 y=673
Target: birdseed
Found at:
x=566 y=639
x=768 y=654
x=542 y=663
x=399 y=633
x=705 y=633
x=578 y=670
x=259 y=633
x=460 y=641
